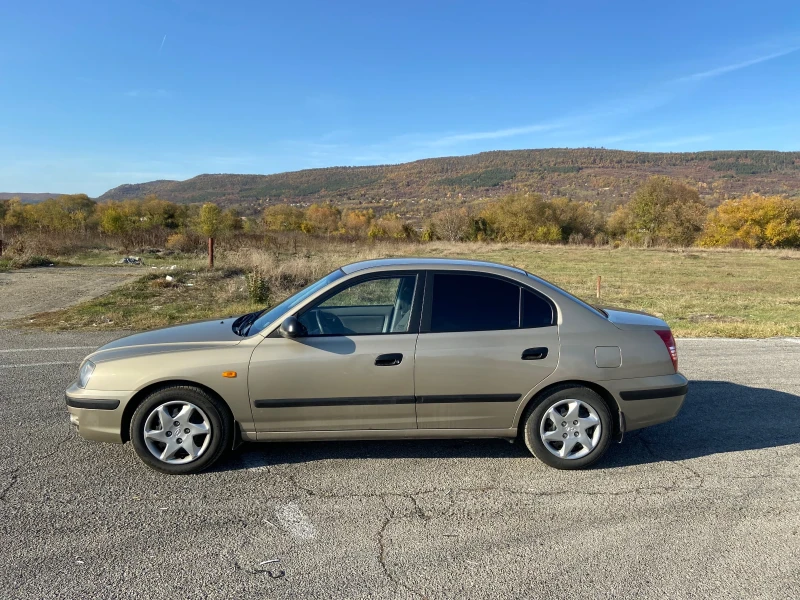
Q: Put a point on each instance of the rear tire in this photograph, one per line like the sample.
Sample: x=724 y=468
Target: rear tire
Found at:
x=568 y=428
x=180 y=430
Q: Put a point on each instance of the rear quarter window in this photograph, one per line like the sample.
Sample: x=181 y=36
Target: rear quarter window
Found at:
x=536 y=311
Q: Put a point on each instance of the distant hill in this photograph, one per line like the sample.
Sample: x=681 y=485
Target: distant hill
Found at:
x=28 y=198
x=414 y=189
x=140 y=190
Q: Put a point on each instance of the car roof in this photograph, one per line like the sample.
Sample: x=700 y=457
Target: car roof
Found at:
x=425 y=263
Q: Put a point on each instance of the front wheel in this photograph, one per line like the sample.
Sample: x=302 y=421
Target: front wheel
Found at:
x=180 y=430
x=569 y=428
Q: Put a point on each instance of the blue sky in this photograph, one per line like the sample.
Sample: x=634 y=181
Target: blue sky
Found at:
x=93 y=95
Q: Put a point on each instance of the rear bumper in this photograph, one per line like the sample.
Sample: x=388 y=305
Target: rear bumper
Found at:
x=649 y=401
x=97 y=415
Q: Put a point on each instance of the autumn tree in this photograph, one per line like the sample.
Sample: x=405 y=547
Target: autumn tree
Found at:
x=754 y=222
x=451 y=224
x=523 y=218
x=357 y=222
x=15 y=214
x=664 y=210
x=282 y=217
x=322 y=218
x=211 y=223
x=391 y=226
x=80 y=209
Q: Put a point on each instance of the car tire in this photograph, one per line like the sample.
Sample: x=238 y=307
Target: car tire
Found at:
x=180 y=440
x=546 y=425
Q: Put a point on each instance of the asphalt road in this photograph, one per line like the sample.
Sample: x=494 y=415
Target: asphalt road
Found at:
x=707 y=506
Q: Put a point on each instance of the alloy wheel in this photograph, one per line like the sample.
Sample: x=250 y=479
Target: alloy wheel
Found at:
x=570 y=429
x=177 y=432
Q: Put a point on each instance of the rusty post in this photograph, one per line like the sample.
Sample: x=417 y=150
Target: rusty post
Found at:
x=599 y=279
x=210 y=253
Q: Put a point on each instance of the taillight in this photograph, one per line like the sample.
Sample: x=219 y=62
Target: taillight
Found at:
x=669 y=342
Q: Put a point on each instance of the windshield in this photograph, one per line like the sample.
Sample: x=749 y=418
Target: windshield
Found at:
x=292 y=301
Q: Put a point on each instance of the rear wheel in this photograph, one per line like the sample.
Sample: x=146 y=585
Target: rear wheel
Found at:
x=569 y=428
x=180 y=430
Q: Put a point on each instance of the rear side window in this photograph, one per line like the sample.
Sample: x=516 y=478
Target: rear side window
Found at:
x=536 y=311
x=473 y=303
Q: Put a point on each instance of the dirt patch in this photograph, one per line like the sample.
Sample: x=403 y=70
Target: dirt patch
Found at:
x=711 y=318
x=29 y=291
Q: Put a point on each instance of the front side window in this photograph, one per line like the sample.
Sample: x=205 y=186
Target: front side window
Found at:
x=473 y=303
x=268 y=316
x=380 y=305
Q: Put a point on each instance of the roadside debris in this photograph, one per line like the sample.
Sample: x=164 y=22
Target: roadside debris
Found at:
x=130 y=260
x=266 y=562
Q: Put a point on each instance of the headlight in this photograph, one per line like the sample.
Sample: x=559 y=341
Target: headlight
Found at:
x=87 y=368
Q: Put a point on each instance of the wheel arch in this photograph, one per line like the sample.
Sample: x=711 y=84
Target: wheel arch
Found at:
x=139 y=397
x=607 y=397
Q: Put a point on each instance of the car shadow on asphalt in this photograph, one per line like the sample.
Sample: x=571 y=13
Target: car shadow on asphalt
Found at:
x=717 y=417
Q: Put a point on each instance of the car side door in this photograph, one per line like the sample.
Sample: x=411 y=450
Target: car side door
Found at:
x=485 y=342
x=354 y=367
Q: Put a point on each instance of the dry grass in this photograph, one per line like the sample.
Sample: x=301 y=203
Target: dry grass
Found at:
x=731 y=293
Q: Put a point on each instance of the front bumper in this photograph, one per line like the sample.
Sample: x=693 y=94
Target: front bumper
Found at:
x=97 y=415
x=648 y=401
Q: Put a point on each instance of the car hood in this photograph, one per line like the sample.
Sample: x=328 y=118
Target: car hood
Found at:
x=623 y=318
x=201 y=334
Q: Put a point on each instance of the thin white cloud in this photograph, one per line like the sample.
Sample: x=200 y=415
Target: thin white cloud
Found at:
x=494 y=135
x=161 y=47
x=736 y=66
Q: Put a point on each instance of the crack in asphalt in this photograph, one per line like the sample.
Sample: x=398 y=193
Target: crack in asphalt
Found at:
x=13 y=480
x=271 y=573
x=647 y=445
x=382 y=551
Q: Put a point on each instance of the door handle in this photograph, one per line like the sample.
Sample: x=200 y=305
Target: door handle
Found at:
x=388 y=360
x=534 y=354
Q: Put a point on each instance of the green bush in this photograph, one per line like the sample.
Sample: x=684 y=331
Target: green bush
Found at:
x=257 y=287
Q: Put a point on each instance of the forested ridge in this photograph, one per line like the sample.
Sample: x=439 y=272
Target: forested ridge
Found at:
x=605 y=177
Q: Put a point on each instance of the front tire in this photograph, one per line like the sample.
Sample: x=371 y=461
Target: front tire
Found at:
x=180 y=430
x=568 y=428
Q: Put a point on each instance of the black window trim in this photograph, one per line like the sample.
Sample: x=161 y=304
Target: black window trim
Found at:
x=416 y=303
x=427 y=304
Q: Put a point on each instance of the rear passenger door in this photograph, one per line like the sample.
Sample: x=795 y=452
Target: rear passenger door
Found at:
x=485 y=342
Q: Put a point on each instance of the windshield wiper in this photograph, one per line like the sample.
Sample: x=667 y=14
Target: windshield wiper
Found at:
x=253 y=318
x=240 y=323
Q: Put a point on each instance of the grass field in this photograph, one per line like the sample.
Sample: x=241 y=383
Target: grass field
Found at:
x=730 y=293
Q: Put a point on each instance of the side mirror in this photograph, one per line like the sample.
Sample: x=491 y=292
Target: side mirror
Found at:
x=292 y=328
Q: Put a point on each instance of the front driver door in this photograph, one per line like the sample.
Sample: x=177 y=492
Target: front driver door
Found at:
x=354 y=370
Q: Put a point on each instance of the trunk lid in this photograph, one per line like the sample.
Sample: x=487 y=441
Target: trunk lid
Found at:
x=633 y=319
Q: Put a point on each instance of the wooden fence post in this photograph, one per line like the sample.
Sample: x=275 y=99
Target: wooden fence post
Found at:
x=599 y=279
x=210 y=253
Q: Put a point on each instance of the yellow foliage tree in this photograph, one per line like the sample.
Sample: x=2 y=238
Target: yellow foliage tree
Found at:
x=323 y=218
x=663 y=210
x=523 y=218
x=357 y=222
x=282 y=217
x=754 y=221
